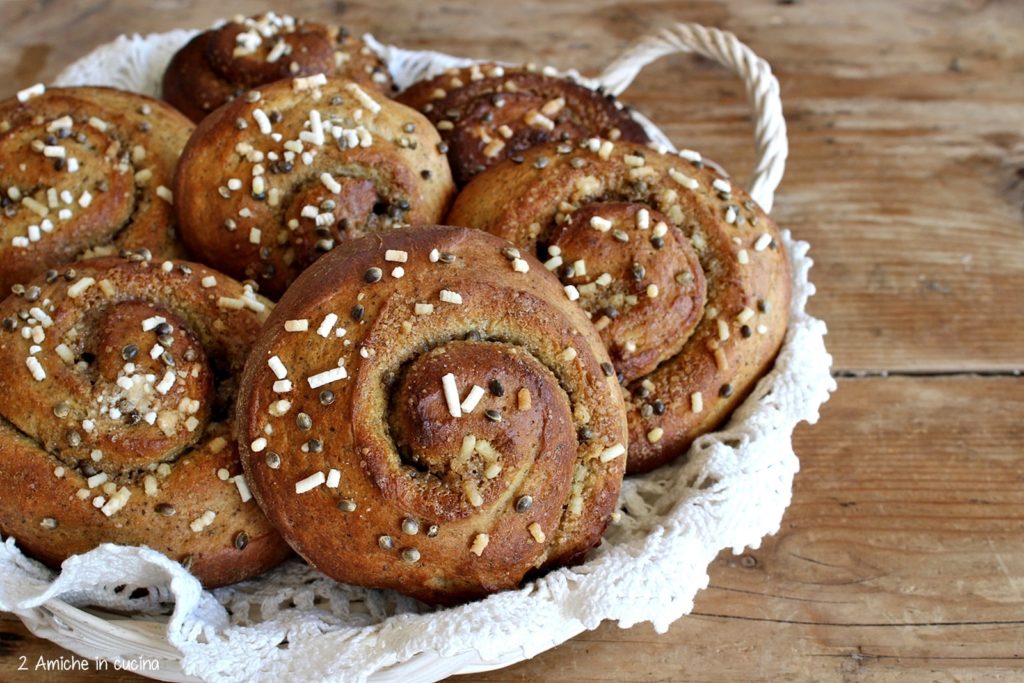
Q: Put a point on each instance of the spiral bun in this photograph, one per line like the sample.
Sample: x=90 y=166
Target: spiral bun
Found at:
x=426 y=411
x=117 y=416
x=270 y=182
x=85 y=171
x=488 y=112
x=683 y=274
x=222 y=63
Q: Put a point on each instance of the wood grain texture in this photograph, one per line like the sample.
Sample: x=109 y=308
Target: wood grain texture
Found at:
x=902 y=556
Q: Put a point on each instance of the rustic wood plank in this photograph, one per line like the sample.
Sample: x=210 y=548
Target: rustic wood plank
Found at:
x=907 y=164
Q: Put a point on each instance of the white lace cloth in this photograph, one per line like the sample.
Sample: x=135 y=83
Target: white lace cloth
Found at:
x=296 y=624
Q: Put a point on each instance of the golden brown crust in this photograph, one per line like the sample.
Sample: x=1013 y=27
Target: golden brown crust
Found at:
x=425 y=502
x=377 y=166
x=487 y=112
x=692 y=348
x=80 y=170
x=222 y=63
x=125 y=371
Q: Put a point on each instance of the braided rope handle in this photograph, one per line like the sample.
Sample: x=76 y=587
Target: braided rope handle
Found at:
x=762 y=88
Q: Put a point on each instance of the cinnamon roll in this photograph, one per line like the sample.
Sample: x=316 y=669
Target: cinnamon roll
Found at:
x=117 y=416
x=85 y=172
x=682 y=273
x=270 y=182
x=224 y=62
x=426 y=411
x=488 y=112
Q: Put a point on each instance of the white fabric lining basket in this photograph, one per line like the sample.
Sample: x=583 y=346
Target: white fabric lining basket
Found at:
x=295 y=624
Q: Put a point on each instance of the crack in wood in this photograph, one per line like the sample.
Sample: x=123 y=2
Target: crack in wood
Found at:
x=776 y=595
x=864 y=655
x=924 y=374
x=837 y=624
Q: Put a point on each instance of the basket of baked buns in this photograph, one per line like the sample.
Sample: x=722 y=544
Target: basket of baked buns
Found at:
x=325 y=359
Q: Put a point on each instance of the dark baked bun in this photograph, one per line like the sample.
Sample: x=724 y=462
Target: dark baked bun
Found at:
x=262 y=194
x=487 y=112
x=377 y=474
x=85 y=171
x=117 y=416
x=224 y=62
x=682 y=273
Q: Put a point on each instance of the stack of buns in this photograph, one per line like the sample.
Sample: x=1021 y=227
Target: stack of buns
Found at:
x=495 y=299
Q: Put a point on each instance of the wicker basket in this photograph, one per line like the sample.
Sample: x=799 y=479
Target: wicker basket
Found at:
x=100 y=634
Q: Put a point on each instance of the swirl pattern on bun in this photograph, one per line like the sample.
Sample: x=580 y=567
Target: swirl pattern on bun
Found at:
x=224 y=62
x=117 y=416
x=85 y=172
x=488 y=112
x=682 y=273
x=270 y=182
x=426 y=411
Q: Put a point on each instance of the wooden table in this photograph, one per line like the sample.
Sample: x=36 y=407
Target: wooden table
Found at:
x=902 y=555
